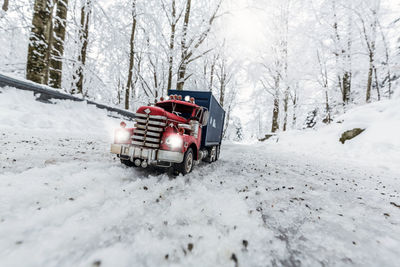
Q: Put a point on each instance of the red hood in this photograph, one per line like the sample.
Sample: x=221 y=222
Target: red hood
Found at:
x=157 y=111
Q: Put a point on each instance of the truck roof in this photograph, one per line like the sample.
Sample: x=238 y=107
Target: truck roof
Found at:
x=179 y=102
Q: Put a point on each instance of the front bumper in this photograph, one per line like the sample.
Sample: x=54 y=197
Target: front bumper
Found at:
x=152 y=156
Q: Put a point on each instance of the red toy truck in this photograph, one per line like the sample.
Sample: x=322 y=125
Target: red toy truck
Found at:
x=176 y=132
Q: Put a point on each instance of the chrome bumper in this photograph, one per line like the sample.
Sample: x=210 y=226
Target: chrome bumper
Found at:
x=153 y=156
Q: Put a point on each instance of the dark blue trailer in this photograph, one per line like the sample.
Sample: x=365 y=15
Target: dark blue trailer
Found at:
x=212 y=132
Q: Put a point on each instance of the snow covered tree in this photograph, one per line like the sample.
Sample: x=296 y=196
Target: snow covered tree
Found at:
x=173 y=19
x=83 y=41
x=46 y=42
x=128 y=88
x=57 y=44
x=190 y=44
x=39 y=42
x=275 y=79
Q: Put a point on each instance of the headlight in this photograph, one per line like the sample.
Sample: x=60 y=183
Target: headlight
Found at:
x=174 y=141
x=122 y=136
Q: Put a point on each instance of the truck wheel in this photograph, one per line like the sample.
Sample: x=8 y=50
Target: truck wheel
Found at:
x=213 y=154
x=127 y=163
x=187 y=165
x=218 y=150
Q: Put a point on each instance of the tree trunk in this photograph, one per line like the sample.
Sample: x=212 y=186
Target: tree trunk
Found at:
x=222 y=91
x=223 y=81
x=83 y=42
x=37 y=61
x=328 y=118
x=347 y=76
x=387 y=61
x=285 y=109
x=275 y=113
x=294 y=119
x=343 y=56
x=346 y=84
x=369 y=80
x=119 y=92
x=171 y=45
x=184 y=48
x=131 y=56
x=378 y=91
x=210 y=87
x=57 y=44
x=370 y=42
x=227 y=119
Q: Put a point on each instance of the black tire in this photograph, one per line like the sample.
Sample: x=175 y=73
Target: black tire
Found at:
x=188 y=162
x=212 y=154
x=217 y=152
x=127 y=163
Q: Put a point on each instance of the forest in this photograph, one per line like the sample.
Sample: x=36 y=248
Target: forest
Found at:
x=288 y=64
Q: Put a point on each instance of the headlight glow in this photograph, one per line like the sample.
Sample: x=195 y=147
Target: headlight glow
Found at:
x=174 y=141
x=122 y=136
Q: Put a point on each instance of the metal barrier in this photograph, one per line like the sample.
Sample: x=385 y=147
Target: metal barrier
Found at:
x=47 y=93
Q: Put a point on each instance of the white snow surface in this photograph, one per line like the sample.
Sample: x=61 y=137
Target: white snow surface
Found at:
x=66 y=201
x=378 y=145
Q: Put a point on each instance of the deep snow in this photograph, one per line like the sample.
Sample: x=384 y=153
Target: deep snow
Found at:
x=65 y=201
x=377 y=146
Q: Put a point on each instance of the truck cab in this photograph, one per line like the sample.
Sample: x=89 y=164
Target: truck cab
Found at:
x=169 y=133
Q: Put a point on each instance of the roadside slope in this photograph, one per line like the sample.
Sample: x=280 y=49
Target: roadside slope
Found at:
x=378 y=145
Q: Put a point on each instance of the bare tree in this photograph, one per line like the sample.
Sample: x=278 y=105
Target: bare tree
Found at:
x=387 y=61
x=324 y=82
x=86 y=11
x=284 y=47
x=369 y=36
x=173 y=20
x=131 y=56
x=224 y=78
x=189 y=47
x=342 y=52
x=276 y=77
x=273 y=88
x=38 y=50
x=295 y=100
x=57 y=44
x=212 y=72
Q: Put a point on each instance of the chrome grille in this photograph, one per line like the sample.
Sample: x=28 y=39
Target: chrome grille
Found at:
x=148 y=130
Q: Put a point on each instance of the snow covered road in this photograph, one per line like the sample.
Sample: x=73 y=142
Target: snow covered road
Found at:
x=65 y=201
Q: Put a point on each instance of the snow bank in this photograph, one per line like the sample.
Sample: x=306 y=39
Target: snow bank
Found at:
x=378 y=145
x=19 y=112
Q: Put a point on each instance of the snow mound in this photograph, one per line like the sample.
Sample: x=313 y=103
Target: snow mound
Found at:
x=378 y=145
x=20 y=113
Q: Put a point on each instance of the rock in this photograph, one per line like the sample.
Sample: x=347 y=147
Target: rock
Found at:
x=96 y=263
x=235 y=260
x=245 y=243
x=267 y=136
x=348 y=135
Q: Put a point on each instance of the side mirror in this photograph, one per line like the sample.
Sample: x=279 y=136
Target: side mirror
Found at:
x=204 y=120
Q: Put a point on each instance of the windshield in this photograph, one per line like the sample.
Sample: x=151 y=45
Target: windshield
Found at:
x=177 y=109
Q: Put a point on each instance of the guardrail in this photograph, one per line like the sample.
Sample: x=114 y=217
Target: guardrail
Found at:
x=47 y=93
